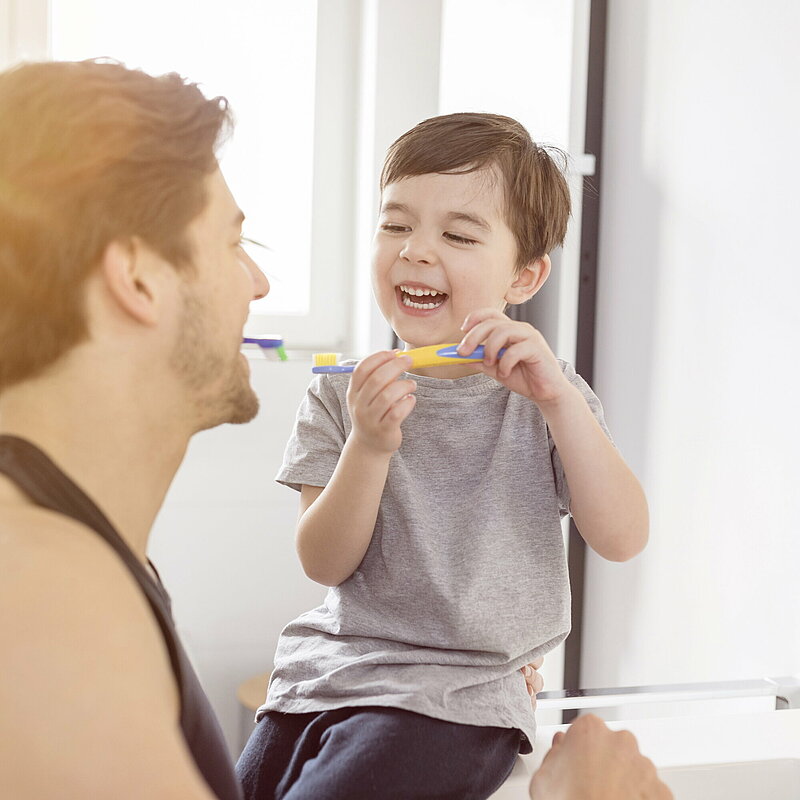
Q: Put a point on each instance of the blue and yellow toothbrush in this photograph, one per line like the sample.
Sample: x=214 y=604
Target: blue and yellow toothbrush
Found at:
x=431 y=356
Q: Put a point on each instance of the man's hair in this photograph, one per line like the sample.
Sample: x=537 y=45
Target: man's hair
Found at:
x=90 y=152
x=536 y=195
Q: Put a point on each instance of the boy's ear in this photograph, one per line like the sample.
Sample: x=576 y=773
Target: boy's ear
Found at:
x=132 y=275
x=529 y=281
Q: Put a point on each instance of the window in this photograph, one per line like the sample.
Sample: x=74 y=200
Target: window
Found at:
x=263 y=58
x=524 y=70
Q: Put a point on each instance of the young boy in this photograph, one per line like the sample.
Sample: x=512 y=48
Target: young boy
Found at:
x=431 y=504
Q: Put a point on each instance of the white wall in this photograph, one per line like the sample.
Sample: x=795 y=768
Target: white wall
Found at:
x=697 y=340
x=696 y=347
x=224 y=540
x=224 y=543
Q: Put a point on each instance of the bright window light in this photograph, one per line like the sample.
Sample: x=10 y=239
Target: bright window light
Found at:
x=262 y=57
x=524 y=69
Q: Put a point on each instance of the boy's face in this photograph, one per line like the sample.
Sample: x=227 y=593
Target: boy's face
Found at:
x=442 y=249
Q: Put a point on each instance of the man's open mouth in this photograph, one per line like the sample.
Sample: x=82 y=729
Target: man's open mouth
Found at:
x=421 y=298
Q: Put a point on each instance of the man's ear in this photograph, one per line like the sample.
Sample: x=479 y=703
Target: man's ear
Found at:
x=132 y=274
x=528 y=281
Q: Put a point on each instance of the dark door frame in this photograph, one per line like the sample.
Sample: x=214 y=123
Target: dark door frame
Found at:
x=587 y=304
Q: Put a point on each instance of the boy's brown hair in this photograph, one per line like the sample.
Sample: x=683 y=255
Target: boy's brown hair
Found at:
x=90 y=152
x=536 y=195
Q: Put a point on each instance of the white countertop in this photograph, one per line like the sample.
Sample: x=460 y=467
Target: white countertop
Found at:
x=677 y=743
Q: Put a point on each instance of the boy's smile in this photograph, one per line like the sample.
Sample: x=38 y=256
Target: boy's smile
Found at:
x=442 y=249
x=419 y=299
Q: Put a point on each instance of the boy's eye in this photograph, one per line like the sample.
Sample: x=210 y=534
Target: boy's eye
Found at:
x=454 y=237
x=392 y=227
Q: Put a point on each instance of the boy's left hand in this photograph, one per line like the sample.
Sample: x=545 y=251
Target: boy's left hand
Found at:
x=533 y=680
x=528 y=365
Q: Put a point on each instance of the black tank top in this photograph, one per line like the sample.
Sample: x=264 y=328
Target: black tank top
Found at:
x=37 y=476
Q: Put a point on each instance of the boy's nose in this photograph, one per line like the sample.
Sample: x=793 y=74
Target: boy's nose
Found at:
x=416 y=250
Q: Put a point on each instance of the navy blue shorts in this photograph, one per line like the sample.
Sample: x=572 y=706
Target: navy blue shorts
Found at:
x=374 y=752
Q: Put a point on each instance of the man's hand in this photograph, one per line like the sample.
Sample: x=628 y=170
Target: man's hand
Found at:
x=533 y=680
x=378 y=402
x=527 y=366
x=591 y=762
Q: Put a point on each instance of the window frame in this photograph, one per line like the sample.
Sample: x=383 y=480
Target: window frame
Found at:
x=24 y=31
x=326 y=326
x=25 y=35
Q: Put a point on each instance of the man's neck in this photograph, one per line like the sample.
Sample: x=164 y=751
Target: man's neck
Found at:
x=118 y=451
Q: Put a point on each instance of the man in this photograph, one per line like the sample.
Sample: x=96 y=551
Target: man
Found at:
x=123 y=293
x=591 y=762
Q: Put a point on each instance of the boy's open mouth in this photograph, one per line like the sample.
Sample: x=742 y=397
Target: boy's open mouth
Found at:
x=422 y=298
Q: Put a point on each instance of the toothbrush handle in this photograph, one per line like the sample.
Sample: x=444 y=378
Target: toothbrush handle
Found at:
x=267 y=342
x=333 y=368
x=477 y=353
x=446 y=352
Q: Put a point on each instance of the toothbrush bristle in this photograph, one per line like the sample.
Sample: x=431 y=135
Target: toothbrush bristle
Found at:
x=325 y=359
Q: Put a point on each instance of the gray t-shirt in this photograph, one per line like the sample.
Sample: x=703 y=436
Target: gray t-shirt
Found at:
x=465 y=578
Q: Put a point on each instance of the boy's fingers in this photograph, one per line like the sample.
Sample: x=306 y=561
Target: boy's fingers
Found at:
x=494 y=334
x=391 y=395
x=500 y=336
x=475 y=336
x=533 y=679
x=474 y=317
x=512 y=356
x=382 y=378
x=401 y=409
x=379 y=370
x=368 y=365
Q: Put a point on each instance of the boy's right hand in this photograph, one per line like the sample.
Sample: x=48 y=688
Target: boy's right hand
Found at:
x=378 y=402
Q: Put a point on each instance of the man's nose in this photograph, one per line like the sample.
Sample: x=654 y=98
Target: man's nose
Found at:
x=260 y=282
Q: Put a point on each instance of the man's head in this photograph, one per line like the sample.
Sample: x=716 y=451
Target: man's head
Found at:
x=470 y=209
x=101 y=165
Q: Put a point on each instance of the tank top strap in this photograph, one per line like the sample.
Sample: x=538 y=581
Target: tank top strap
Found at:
x=47 y=486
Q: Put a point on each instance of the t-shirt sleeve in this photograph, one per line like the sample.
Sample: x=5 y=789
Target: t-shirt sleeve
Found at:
x=562 y=489
x=317 y=440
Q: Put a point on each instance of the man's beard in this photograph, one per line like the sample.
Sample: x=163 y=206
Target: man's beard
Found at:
x=218 y=383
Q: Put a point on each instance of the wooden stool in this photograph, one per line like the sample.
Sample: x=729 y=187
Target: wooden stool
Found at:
x=251 y=694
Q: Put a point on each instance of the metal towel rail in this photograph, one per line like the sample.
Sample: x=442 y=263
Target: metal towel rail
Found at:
x=785 y=690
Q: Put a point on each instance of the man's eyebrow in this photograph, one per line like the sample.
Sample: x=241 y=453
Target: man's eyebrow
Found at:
x=472 y=219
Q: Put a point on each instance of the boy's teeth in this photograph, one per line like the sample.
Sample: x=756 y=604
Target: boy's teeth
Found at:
x=407 y=301
x=436 y=297
x=418 y=292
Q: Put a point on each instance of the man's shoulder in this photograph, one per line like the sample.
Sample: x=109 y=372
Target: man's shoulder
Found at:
x=83 y=654
x=58 y=576
x=29 y=519
x=35 y=538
